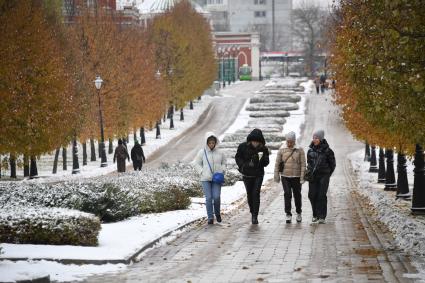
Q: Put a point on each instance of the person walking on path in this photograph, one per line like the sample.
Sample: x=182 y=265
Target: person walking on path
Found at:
x=291 y=160
x=252 y=156
x=209 y=160
x=317 y=84
x=120 y=155
x=137 y=156
x=321 y=162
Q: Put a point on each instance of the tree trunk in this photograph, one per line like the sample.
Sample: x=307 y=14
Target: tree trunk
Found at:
x=84 y=154
x=181 y=115
x=12 y=162
x=26 y=166
x=390 y=183
x=64 y=165
x=55 y=161
x=199 y=97
x=33 y=168
x=92 y=151
x=75 y=163
x=367 y=152
x=134 y=136
x=110 y=146
x=0 y=166
x=158 y=131
x=142 y=136
x=191 y=105
x=381 y=169
x=418 y=200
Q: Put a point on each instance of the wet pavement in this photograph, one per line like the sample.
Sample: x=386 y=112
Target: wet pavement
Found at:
x=345 y=249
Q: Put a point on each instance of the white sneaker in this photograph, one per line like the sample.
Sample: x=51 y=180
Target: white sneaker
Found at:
x=314 y=220
x=322 y=221
x=299 y=217
x=288 y=218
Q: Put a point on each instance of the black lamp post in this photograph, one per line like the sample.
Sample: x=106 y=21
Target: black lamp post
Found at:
x=98 y=84
x=390 y=183
x=402 y=182
x=418 y=201
x=381 y=169
x=373 y=165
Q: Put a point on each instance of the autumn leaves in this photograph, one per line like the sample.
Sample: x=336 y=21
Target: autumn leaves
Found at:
x=379 y=61
x=47 y=70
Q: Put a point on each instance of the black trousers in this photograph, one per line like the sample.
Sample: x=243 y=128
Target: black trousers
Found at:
x=137 y=165
x=253 y=190
x=318 y=189
x=292 y=186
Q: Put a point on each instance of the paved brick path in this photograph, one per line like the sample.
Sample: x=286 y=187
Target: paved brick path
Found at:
x=273 y=251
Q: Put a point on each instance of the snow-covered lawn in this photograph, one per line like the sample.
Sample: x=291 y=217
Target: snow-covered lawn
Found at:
x=122 y=240
x=407 y=230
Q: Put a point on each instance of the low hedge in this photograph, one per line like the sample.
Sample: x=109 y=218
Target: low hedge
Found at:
x=272 y=106
x=260 y=114
x=53 y=226
x=279 y=99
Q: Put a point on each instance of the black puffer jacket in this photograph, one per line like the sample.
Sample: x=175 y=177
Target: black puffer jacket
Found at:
x=322 y=154
x=248 y=157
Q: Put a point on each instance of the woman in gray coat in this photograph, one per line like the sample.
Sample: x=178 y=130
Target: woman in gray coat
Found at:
x=210 y=160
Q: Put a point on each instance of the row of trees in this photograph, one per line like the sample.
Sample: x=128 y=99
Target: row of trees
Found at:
x=377 y=54
x=47 y=69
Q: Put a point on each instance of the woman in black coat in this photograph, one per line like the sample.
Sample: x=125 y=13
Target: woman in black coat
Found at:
x=252 y=156
x=137 y=156
x=320 y=161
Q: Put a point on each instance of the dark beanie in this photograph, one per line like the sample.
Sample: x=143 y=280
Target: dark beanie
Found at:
x=256 y=135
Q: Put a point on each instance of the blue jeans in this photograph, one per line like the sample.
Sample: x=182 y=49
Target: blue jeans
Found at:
x=212 y=193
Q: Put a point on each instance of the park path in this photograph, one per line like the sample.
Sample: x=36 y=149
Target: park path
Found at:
x=345 y=249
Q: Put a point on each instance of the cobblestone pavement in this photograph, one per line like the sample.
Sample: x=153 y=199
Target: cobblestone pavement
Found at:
x=344 y=249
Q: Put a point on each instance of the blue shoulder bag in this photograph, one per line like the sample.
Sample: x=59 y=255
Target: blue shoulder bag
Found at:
x=217 y=177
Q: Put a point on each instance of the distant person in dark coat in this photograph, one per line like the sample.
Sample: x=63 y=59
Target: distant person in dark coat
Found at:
x=120 y=155
x=252 y=156
x=137 y=156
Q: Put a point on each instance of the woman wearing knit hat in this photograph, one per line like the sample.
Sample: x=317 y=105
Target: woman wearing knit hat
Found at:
x=321 y=162
x=290 y=168
x=252 y=156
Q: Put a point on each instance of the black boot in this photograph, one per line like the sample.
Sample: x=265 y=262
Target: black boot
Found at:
x=254 y=219
x=218 y=218
x=210 y=221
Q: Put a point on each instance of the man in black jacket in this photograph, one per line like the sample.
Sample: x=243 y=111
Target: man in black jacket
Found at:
x=320 y=161
x=252 y=156
x=137 y=156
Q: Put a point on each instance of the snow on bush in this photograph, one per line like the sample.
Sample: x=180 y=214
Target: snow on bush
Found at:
x=266 y=122
x=277 y=99
x=241 y=137
x=276 y=91
x=272 y=106
x=41 y=225
x=265 y=129
x=260 y=114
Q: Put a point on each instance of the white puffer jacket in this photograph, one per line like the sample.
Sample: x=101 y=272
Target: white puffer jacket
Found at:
x=215 y=157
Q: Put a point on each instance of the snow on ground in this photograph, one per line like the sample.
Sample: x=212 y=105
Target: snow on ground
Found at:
x=123 y=239
x=152 y=144
x=407 y=230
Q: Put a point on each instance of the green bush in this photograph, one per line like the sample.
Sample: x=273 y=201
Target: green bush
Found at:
x=52 y=226
x=165 y=200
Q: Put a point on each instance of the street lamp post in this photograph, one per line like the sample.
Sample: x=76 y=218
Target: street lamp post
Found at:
x=103 y=163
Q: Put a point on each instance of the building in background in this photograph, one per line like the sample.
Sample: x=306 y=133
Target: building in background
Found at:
x=270 y=18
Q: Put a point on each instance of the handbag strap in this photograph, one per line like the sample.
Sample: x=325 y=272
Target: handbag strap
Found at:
x=206 y=156
x=290 y=155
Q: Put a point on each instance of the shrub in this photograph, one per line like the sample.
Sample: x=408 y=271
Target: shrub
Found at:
x=54 y=226
x=272 y=106
x=165 y=200
x=277 y=99
x=259 y=114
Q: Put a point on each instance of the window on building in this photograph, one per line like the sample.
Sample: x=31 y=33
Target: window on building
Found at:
x=214 y=2
x=259 y=2
x=260 y=14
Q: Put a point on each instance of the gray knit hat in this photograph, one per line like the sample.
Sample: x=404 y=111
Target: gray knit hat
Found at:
x=320 y=134
x=290 y=136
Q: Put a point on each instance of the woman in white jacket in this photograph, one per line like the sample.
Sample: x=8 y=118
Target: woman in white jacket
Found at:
x=210 y=160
